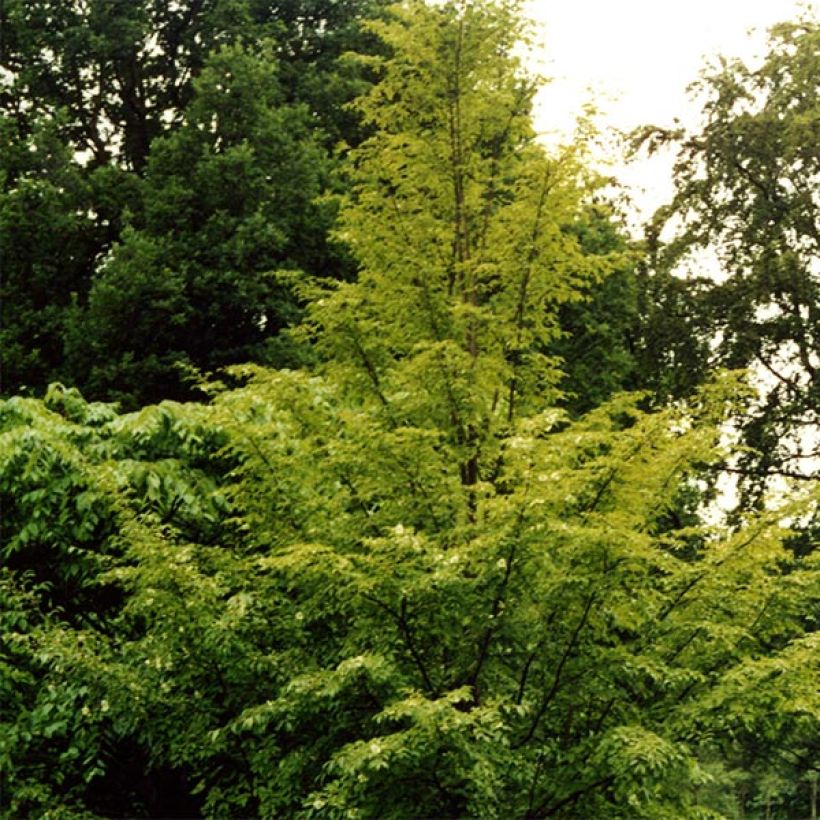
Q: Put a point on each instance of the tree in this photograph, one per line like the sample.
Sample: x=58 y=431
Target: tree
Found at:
x=599 y=345
x=229 y=202
x=68 y=472
x=747 y=188
x=86 y=89
x=55 y=218
x=416 y=586
x=122 y=73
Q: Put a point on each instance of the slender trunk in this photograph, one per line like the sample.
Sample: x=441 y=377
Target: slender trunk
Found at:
x=459 y=285
x=460 y=238
x=523 y=294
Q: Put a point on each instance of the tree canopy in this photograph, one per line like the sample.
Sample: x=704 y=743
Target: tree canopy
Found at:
x=747 y=190
x=430 y=568
x=103 y=107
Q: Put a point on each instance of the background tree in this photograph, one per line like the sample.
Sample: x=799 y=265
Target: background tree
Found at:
x=229 y=200
x=600 y=341
x=86 y=89
x=123 y=72
x=55 y=218
x=747 y=188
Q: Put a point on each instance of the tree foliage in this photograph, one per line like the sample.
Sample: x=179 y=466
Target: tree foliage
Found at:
x=747 y=188
x=403 y=581
x=99 y=103
x=229 y=203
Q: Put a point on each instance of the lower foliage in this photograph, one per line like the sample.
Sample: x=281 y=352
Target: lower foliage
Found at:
x=277 y=605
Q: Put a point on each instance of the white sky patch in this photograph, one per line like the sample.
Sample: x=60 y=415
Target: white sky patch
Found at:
x=634 y=59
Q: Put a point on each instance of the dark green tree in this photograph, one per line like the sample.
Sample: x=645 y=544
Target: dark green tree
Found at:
x=55 y=217
x=229 y=202
x=122 y=72
x=86 y=88
x=600 y=333
x=748 y=190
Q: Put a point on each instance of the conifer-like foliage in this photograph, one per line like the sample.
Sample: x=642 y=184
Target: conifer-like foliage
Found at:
x=463 y=229
x=402 y=583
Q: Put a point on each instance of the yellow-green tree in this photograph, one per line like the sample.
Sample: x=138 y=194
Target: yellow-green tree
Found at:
x=402 y=583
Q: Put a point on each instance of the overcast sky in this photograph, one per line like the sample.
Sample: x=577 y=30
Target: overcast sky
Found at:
x=637 y=57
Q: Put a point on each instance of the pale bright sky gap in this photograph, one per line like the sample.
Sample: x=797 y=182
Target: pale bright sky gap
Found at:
x=635 y=59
